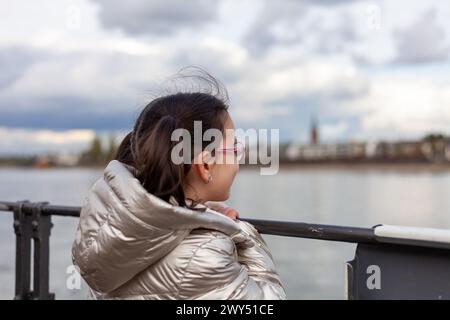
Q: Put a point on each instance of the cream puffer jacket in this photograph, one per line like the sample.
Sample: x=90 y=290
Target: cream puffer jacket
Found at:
x=131 y=244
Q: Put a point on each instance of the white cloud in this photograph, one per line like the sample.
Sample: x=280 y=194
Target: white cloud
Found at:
x=423 y=41
x=403 y=106
x=285 y=80
x=109 y=83
x=28 y=141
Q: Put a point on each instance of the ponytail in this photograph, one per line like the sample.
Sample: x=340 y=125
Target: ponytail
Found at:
x=158 y=174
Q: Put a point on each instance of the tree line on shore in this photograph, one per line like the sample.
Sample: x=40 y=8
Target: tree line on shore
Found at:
x=98 y=153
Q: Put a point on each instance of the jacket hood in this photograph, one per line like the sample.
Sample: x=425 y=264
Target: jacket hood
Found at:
x=124 y=229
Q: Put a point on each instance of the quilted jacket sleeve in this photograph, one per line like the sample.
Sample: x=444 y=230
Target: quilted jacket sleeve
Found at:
x=219 y=269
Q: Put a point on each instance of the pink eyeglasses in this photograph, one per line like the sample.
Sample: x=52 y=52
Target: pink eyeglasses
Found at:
x=238 y=150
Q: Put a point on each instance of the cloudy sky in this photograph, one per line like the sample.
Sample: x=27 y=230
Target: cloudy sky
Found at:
x=365 y=69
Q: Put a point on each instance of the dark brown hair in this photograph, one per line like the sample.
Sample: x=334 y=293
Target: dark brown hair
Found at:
x=148 y=147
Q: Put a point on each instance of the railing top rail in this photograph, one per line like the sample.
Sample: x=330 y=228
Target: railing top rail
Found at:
x=272 y=227
x=55 y=210
x=423 y=237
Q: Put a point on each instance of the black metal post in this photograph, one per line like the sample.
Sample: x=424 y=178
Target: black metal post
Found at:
x=22 y=229
x=41 y=226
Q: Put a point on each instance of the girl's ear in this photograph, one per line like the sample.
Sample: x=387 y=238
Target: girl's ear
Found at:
x=203 y=166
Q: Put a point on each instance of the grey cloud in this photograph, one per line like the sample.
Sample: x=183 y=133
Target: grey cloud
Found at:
x=55 y=110
x=212 y=61
x=336 y=39
x=112 y=86
x=421 y=42
x=262 y=35
x=156 y=17
x=14 y=61
x=63 y=112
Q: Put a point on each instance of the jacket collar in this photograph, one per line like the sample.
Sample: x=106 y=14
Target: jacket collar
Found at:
x=152 y=210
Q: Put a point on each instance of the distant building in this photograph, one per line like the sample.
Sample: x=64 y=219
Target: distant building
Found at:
x=42 y=162
x=327 y=152
x=404 y=151
x=67 y=159
x=433 y=148
x=53 y=160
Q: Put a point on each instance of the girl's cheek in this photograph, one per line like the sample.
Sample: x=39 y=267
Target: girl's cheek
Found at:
x=232 y=175
x=232 y=170
x=226 y=175
x=235 y=171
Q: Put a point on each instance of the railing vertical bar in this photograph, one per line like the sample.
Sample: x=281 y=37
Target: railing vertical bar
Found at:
x=22 y=229
x=41 y=234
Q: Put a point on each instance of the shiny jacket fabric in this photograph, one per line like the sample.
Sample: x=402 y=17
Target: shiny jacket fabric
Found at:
x=131 y=244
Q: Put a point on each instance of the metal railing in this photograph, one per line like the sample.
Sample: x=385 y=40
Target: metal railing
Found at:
x=426 y=263
x=32 y=226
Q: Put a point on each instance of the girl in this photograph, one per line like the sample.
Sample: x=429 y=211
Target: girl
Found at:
x=154 y=229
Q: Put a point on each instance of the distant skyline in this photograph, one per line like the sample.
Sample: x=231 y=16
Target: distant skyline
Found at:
x=365 y=69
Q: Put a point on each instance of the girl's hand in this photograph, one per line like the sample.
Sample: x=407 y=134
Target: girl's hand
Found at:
x=223 y=208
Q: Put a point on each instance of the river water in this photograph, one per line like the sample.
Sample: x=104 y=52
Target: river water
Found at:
x=310 y=269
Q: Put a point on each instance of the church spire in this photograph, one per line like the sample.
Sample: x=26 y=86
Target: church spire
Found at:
x=314 y=134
